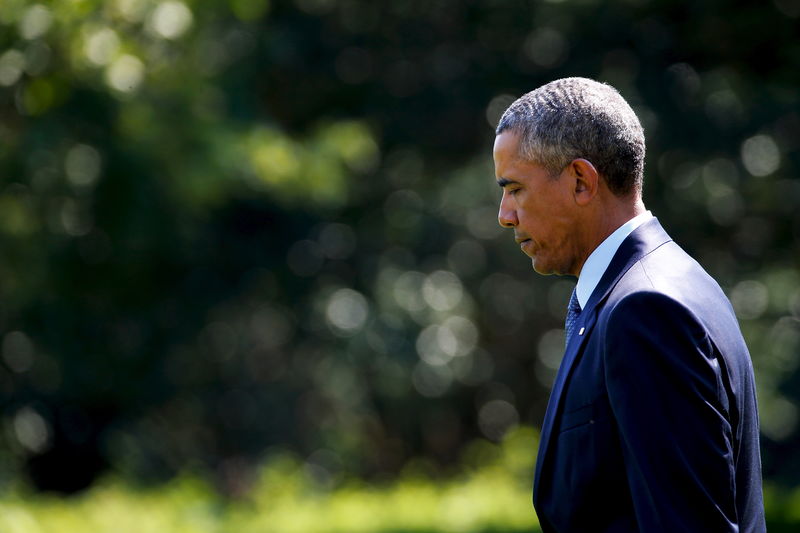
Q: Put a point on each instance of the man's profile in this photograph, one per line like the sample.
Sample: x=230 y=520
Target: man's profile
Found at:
x=652 y=422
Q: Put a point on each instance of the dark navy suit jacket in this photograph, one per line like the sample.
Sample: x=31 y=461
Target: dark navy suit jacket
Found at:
x=652 y=423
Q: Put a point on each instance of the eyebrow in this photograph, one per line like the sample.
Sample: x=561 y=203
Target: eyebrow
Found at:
x=502 y=182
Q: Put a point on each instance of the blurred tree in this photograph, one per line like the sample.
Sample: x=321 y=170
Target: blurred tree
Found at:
x=233 y=225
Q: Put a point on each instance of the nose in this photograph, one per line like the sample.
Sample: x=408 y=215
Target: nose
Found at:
x=507 y=216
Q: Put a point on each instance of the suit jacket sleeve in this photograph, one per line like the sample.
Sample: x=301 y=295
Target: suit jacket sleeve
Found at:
x=666 y=386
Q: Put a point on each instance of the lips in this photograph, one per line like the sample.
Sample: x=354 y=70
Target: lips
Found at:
x=526 y=245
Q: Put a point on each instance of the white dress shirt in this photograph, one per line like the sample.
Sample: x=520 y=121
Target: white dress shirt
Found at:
x=597 y=263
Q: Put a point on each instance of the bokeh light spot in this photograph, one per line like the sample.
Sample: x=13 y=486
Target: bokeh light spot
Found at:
x=12 y=62
x=550 y=351
x=75 y=220
x=430 y=346
x=35 y=22
x=482 y=222
x=132 y=10
x=750 y=299
x=442 y=290
x=496 y=108
x=18 y=351
x=408 y=291
x=778 y=418
x=82 y=165
x=171 y=19
x=101 y=46
x=464 y=333
x=546 y=47
x=347 y=311
x=32 y=431
x=760 y=155
x=125 y=74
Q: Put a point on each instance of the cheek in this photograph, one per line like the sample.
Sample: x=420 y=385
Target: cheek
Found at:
x=537 y=219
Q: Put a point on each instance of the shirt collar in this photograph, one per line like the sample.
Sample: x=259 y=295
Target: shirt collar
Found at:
x=595 y=266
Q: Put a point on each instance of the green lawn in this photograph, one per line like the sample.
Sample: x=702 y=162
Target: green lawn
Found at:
x=493 y=497
x=490 y=494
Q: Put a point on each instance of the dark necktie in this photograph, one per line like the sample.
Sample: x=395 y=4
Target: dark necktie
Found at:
x=573 y=312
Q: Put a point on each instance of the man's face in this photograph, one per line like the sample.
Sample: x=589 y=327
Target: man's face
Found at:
x=539 y=207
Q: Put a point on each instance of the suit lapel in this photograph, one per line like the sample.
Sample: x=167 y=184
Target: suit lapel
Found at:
x=583 y=326
x=639 y=243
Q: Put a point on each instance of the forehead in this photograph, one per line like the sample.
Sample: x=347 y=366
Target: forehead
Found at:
x=506 y=152
x=510 y=167
x=506 y=146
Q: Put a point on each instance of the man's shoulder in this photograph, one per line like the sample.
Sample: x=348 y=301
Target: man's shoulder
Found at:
x=669 y=280
x=668 y=270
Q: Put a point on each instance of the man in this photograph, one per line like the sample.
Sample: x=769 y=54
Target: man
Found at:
x=652 y=422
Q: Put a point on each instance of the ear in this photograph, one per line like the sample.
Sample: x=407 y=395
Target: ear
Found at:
x=586 y=179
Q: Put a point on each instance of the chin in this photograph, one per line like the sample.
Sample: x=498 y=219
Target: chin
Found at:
x=540 y=267
x=547 y=269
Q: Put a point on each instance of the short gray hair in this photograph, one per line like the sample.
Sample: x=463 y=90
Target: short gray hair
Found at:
x=575 y=118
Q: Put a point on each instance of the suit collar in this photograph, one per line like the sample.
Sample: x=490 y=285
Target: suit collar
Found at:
x=639 y=243
x=597 y=262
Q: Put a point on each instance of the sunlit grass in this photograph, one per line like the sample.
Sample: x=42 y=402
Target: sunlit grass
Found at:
x=490 y=494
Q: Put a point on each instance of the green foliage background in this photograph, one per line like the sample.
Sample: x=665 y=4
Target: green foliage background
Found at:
x=234 y=227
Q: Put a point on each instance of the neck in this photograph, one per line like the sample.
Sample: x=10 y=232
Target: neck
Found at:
x=605 y=222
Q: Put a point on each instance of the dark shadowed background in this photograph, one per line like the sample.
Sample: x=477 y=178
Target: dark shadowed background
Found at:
x=233 y=227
